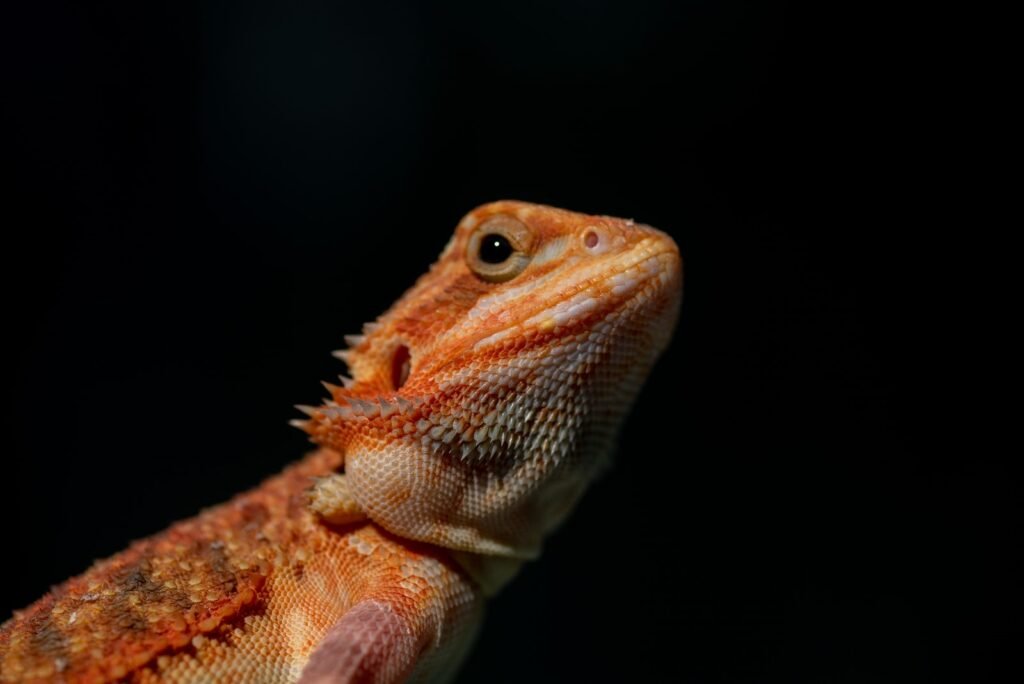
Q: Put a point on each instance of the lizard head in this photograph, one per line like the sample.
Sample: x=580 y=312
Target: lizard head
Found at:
x=488 y=396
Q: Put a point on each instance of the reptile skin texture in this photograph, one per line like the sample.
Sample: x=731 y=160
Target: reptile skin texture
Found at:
x=480 y=407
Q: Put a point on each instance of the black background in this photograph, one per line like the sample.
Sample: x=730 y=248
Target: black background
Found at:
x=207 y=198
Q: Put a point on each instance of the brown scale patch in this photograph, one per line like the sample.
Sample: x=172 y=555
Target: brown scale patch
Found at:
x=45 y=637
x=158 y=595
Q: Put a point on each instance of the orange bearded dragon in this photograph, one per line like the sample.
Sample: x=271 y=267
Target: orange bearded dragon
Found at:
x=481 y=406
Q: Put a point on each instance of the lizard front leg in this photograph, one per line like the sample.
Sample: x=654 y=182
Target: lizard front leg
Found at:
x=371 y=643
x=413 y=624
x=417 y=630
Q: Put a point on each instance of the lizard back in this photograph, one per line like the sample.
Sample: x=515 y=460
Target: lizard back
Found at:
x=243 y=592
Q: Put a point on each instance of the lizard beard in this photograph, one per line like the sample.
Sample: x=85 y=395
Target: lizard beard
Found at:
x=501 y=451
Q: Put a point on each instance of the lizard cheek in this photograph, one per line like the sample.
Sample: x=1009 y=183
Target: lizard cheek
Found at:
x=400 y=366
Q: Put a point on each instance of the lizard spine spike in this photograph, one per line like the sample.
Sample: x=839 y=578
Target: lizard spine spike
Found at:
x=387 y=409
x=364 y=408
x=305 y=408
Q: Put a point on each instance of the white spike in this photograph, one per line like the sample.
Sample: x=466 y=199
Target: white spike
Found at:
x=342 y=412
x=333 y=389
x=346 y=381
x=387 y=409
x=370 y=328
x=363 y=408
x=308 y=410
x=300 y=424
x=404 y=405
x=342 y=354
x=354 y=340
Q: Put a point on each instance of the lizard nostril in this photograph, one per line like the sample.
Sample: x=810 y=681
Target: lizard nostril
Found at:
x=400 y=363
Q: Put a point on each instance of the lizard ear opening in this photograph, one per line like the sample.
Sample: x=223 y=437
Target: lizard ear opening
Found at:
x=400 y=366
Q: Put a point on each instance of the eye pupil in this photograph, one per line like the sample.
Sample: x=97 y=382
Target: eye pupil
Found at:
x=495 y=249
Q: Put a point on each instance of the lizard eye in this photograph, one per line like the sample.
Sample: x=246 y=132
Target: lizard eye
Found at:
x=498 y=249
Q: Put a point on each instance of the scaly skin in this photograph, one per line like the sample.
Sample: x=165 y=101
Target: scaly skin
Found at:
x=483 y=402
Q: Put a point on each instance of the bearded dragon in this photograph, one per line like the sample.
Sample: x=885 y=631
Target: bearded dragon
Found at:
x=481 y=406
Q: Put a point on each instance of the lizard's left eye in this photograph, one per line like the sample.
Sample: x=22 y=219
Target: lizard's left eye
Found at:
x=498 y=249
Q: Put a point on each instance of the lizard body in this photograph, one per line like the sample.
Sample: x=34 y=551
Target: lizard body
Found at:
x=482 y=404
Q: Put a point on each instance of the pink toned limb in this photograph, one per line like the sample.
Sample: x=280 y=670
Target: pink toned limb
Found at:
x=371 y=643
